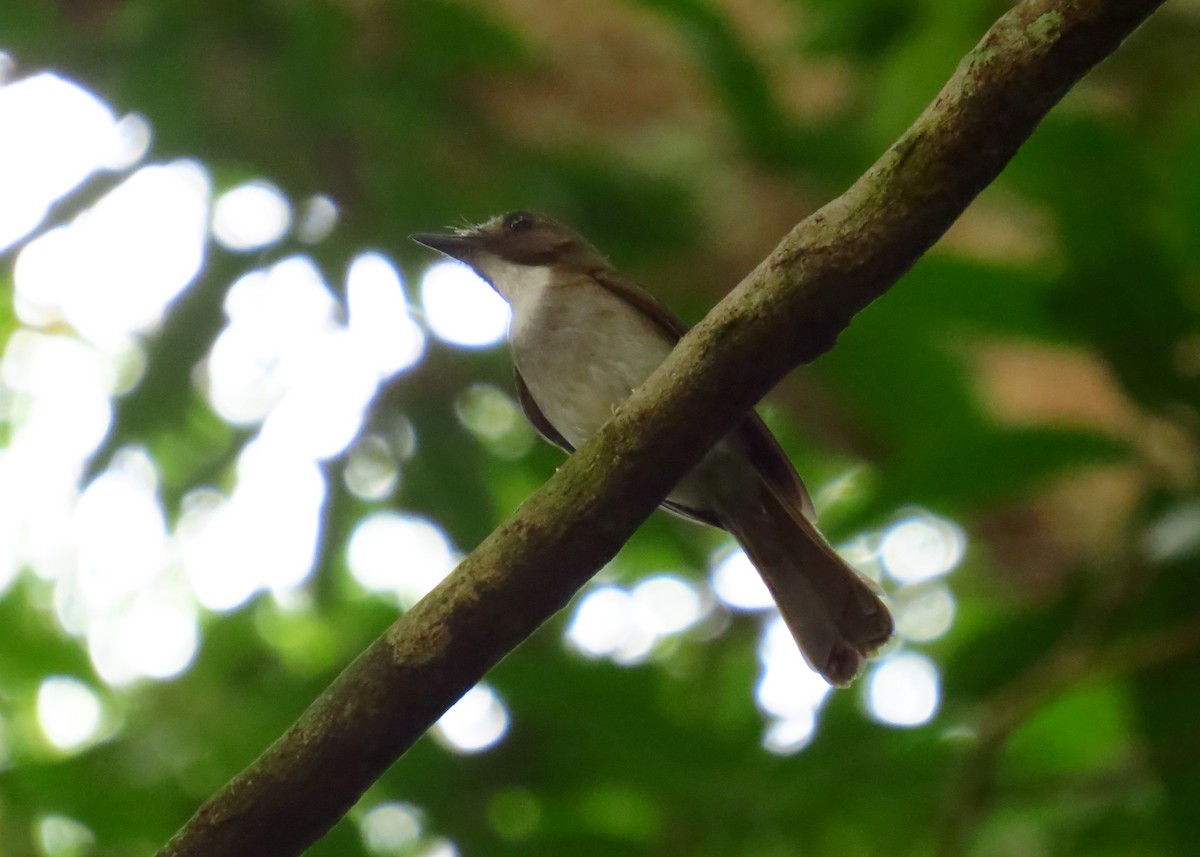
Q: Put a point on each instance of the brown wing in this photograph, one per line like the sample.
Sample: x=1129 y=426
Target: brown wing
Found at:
x=534 y=414
x=764 y=451
x=632 y=293
x=774 y=466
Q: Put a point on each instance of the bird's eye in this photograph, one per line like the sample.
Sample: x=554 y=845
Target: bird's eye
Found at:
x=518 y=221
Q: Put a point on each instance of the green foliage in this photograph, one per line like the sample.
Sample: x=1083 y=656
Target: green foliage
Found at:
x=421 y=113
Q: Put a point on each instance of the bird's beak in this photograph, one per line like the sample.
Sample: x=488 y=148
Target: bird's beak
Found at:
x=455 y=246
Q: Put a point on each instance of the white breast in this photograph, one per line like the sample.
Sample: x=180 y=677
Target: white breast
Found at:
x=580 y=348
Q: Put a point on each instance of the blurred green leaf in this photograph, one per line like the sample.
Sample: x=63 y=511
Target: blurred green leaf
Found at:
x=422 y=113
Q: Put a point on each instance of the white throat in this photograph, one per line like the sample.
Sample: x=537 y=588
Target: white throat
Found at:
x=523 y=286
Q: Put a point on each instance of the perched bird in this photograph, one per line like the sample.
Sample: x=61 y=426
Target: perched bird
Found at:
x=583 y=337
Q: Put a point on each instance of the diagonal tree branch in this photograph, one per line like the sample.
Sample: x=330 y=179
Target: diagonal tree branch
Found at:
x=787 y=311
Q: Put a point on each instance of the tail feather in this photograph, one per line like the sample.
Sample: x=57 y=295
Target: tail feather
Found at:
x=834 y=614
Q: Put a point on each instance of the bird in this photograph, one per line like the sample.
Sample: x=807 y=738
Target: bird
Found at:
x=582 y=337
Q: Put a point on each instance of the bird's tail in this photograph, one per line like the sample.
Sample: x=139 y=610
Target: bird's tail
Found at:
x=834 y=615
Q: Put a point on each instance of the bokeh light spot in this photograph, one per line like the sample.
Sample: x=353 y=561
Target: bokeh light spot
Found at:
x=68 y=712
x=924 y=612
x=625 y=625
x=380 y=322
x=666 y=604
x=120 y=532
x=737 y=583
x=56 y=134
x=904 y=689
x=922 y=546
x=495 y=419
x=1175 y=534
x=8 y=551
x=153 y=637
x=250 y=216
x=205 y=535
x=475 y=722
x=131 y=142
x=318 y=217
x=602 y=620
x=391 y=828
x=791 y=734
x=371 y=471
x=322 y=410
x=439 y=848
x=276 y=317
x=405 y=554
x=112 y=271
x=62 y=836
x=461 y=308
x=262 y=537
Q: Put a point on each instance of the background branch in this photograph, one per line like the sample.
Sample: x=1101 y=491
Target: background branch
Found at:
x=787 y=311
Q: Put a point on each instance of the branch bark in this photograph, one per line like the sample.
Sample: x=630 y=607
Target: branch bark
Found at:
x=787 y=311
